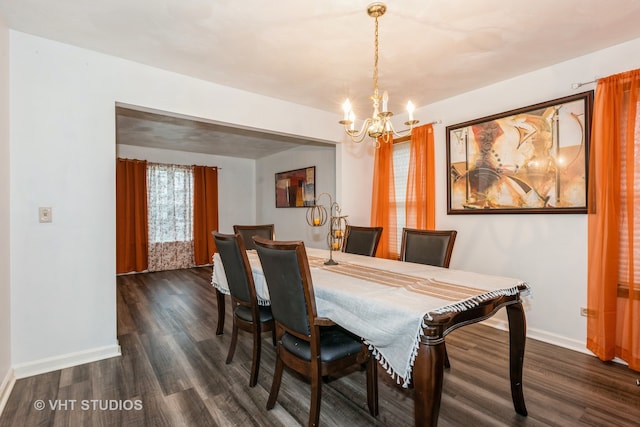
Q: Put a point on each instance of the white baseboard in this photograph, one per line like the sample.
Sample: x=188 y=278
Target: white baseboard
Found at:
x=544 y=336
x=549 y=338
x=6 y=387
x=65 y=361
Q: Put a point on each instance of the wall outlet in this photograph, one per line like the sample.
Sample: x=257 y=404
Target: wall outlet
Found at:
x=44 y=214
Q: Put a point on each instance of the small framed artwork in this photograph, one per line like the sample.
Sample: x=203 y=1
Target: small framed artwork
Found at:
x=296 y=188
x=530 y=160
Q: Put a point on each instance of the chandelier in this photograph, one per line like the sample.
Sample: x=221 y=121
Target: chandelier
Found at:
x=379 y=125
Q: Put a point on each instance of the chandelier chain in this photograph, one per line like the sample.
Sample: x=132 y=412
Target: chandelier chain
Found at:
x=375 y=62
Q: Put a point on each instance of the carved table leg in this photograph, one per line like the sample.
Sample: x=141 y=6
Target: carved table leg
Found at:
x=428 y=375
x=517 y=334
x=221 y=311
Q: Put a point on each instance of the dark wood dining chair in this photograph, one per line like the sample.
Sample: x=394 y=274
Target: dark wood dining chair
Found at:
x=310 y=345
x=361 y=240
x=430 y=247
x=248 y=231
x=247 y=314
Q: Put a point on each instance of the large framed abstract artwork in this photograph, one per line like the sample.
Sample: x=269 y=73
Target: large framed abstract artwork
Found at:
x=296 y=188
x=530 y=160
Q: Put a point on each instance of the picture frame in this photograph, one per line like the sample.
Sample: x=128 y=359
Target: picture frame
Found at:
x=296 y=188
x=528 y=160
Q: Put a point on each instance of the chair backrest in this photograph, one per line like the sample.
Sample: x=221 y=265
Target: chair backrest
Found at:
x=236 y=266
x=431 y=247
x=362 y=240
x=286 y=271
x=248 y=231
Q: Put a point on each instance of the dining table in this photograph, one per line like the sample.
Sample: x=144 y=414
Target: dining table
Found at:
x=403 y=311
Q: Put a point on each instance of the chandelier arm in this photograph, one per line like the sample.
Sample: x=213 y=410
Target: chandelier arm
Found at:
x=391 y=130
x=360 y=135
x=400 y=133
x=353 y=132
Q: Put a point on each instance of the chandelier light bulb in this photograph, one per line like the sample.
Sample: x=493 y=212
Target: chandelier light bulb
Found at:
x=346 y=107
x=410 y=109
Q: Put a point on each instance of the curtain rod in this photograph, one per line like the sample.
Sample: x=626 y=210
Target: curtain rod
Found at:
x=578 y=85
x=435 y=122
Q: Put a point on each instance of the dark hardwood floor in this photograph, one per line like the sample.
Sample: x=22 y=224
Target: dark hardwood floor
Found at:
x=172 y=373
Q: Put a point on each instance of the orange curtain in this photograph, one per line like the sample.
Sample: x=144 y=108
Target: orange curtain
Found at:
x=205 y=213
x=613 y=300
x=131 y=215
x=383 y=209
x=420 y=203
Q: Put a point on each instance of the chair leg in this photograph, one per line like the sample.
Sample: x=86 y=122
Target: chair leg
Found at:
x=447 y=365
x=316 y=397
x=221 y=306
x=275 y=385
x=372 y=386
x=234 y=340
x=255 y=364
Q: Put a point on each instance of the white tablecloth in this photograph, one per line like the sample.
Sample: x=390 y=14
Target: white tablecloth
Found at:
x=384 y=301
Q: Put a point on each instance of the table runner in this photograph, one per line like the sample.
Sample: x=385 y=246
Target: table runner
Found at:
x=385 y=301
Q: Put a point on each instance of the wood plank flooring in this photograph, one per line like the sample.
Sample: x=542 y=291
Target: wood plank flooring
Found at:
x=172 y=366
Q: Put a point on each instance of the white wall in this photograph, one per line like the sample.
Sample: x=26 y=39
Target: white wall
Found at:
x=63 y=154
x=236 y=180
x=5 y=297
x=354 y=169
x=548 y=251
x=291 y=223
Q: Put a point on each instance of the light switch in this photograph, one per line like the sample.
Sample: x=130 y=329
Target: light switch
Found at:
x=44 y=213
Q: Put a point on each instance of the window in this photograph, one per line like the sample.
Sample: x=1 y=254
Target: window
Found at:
x=403 y=170
x=164 y=215
x=401 y=153
x=170 y=200
x=170 y=216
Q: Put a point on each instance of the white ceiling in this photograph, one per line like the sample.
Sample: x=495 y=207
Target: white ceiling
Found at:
x=318 y=53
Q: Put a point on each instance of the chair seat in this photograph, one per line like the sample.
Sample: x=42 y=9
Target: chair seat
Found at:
x=335 y=343
x=244 y=313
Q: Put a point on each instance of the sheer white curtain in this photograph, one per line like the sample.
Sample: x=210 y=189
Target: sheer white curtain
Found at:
x=170 y=202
